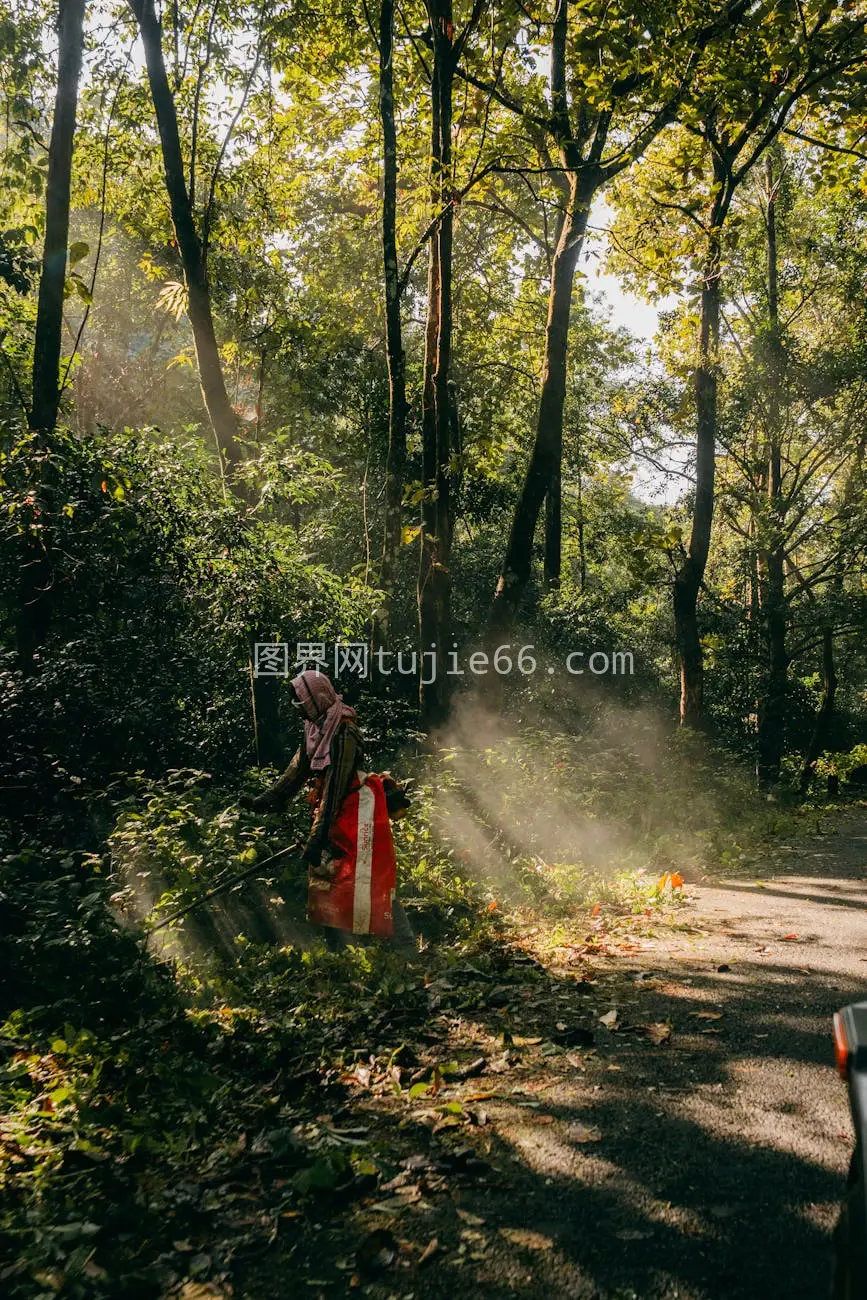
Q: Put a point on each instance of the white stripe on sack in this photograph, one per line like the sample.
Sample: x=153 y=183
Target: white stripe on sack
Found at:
x=361 y=902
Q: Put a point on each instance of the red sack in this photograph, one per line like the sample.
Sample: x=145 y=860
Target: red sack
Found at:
x=359 y=896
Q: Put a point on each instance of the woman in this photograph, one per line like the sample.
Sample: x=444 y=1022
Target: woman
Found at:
x=349 y=851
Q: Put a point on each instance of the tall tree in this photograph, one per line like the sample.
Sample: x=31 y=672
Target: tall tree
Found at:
x=52 y=282
x=576 y=127
x=35 y=583
x=690 y=572
x=396 y=359
x=768 y=73
x=737 y=141
x=771 y=554
x=439 y=417
x=190 y=243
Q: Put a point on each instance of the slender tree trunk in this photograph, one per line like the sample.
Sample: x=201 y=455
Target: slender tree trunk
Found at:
x=753 y=578
x=772 y=704
x=434 y=581
x=260 y=392
x=35 y=579
x=265 y=691
x=582 y=547
x=546 y=456
x=825 y=712
x=688 y=580
x=397 y=406
x=554 y=527
x=49 y=310
x=544 y=472
x=220 y=413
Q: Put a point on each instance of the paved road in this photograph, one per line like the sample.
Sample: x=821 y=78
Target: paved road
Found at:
x=707 y=1167
x=720 y=1157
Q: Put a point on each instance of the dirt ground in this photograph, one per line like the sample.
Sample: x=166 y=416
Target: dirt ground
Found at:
x=693 y=1144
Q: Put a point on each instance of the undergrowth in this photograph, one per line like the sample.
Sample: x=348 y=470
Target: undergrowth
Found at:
x=163 y=1101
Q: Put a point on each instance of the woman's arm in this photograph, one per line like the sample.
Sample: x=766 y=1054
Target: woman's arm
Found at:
x=285 y=787
x=345 y=753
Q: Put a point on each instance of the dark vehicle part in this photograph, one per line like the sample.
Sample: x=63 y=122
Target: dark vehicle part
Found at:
x=850 y=1237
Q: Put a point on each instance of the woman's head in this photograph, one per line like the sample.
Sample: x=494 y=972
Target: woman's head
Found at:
x=313 y=694
x=323 y=711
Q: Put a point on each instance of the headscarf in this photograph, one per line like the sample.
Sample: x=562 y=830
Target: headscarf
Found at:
x=324 y=711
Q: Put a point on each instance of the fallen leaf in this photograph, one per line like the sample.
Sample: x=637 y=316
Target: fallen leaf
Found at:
x=472 y=1219
x=609 y=1019
x=520 y=1041
x=584 y=1133
x=670 y=880
x=526 y=1237
x=658 y=1033
x=707 y=1015
x=452 y=1108
x=377 y=1252
x=430 y=1249
x=789 y=937
x=462 y=1073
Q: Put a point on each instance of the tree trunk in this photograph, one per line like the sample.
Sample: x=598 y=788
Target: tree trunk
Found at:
x=546 y=456
x=582 y=547
x=772 y=705
x=265 y=691
x=543 y=477
x=554 y=527
x=825 y=713
x=220 y=413
x=397 y=408
x=35 y=578
x=434 y=582
x=688 y=580
x=49 y=310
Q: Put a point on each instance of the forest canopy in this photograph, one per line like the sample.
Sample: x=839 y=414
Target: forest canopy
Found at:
x=303 y=338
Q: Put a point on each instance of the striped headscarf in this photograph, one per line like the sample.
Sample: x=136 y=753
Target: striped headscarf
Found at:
x=324 y=711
